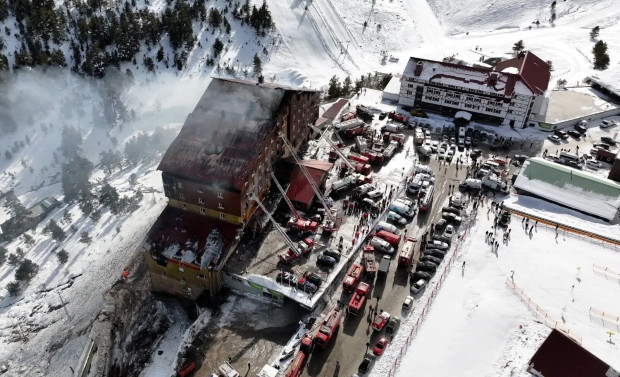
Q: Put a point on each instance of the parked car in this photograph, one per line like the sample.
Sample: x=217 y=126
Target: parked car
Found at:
x=380 y=346
x=430 y=258
x=435 y=253
x=554 y=139
x=313 y=278
x=467 y=141
x=442 y=238
x=441 y=225
x=561 y=134
x=380 y=321
x=325 y=261
x=366 y=364
x=382 y=115
x=333 y=253
x=608 y=140
x=449 y=155
x=575 y=134
x=408 y=303
x=418 y=286
x=286 y=278
x=437 y=245
x=396 y=218
x=427 y=266
x=594 y=164
x=306 y=286
x=451 y=217
x=520 y=157
x=451 y=209
x=434 y=146
x=602 y=145
x=419 y=274
x=392 y=325
x=607 y=123
x=581 y=128
x=449 y=232
x=442 y=155
x=475 y=153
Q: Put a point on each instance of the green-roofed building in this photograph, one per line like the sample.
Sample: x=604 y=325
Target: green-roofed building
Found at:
x=582 y=191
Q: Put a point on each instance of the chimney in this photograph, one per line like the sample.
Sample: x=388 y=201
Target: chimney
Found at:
x=418 y=69
x=261 y=79
x=493 y=78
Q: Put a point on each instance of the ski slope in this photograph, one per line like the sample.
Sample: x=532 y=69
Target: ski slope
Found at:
x=436 y=29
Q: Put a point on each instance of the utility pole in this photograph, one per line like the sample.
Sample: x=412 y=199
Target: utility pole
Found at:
x=63 y=305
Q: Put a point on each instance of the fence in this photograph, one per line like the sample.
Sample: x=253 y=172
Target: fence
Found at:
x=607 y=272
x=609 y=321
x=542 y=314
x=429 y=301
x=570 y=230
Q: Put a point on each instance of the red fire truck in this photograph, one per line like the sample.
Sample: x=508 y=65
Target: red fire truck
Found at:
x=359 y=298
x=397 y=117
x=296 y=366
x=406 y=253
x=359 y=168
x=353 y=276
x=374 y=156
x=358 y=158
x=328 y=329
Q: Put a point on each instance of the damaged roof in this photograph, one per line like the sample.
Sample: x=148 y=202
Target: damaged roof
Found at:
x=220 y=139
x=190 y=237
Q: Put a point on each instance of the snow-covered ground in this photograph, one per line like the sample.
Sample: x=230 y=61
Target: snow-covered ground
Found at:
x=478 y=322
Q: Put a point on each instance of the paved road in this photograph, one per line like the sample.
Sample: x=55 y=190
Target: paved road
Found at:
x=349 y=346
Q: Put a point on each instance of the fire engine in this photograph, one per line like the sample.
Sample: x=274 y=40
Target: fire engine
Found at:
x=359 y=298
x=353 y=276
x=397 y=117
x=328 y=329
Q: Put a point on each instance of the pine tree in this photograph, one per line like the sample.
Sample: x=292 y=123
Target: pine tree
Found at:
x=62 y=256
x=218 y=46
x=74 y=177
x=601 y=58
x=518 y=46
x=26 y=270
x=334 y=89
x=14 y=207
x=594 y=32
x=55 y=231
x=258 y=68
x=346 y=86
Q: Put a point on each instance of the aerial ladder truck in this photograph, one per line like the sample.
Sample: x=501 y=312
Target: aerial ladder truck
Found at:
x=296 y=223
x=303 y=247
x=352 y=167
x=331 y=222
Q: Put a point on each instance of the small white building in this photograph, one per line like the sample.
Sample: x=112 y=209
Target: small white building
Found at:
x=508 y=95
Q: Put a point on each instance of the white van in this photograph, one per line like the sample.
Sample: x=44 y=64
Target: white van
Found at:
x=392 y=127
x=423 y=169
x=382 y=245
x=457 y=200
x=425 y=151
x=402 y=209
x=382 y=225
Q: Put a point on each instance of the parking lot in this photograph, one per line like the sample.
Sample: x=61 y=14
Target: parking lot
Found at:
x=350 y=344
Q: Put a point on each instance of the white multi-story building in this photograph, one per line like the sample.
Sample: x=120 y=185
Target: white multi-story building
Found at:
x=509 y=95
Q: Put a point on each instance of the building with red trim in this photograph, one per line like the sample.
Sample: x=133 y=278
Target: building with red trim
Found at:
x=223 y=156
x=509 y=94
x=299 y=190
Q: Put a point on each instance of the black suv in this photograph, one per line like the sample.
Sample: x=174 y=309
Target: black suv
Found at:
x=313 y=278
x=561 y=134
x=325 y=261
x=367 y=363
x=332 y=253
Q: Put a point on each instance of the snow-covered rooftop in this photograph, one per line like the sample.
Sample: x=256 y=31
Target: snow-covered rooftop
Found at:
x=573 y=188
x=462 y=76
x=609 y=79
